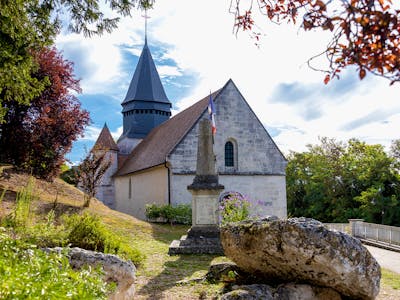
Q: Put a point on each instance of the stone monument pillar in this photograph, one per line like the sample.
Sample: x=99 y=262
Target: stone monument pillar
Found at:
x=203 y=236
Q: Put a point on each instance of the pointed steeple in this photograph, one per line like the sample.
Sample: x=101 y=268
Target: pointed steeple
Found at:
x=146 y=84
x=146 y=105
x=105 y=141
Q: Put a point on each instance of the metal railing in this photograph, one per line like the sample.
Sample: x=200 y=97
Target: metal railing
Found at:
x=369 y=231
x=343 y=227
x=376 y=232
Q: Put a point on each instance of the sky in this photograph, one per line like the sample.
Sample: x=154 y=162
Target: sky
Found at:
x=196 y=50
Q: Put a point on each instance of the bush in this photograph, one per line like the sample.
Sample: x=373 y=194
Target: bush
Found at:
x=179 y=214
x=69 y=175
x=88 y=232
x=29 y=273
x=234 y=208
x=46 y=234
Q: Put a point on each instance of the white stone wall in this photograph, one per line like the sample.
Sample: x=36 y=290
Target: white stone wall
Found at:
x=256 y=153
x=147 y=187
x=267 y=193
x=105 y=191
x=259 y=170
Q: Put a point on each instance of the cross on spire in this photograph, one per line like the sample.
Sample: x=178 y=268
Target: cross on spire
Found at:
x=145 y=16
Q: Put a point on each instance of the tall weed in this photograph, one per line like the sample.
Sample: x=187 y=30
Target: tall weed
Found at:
x=19 y=218
x=46 y=234
x=3 y=193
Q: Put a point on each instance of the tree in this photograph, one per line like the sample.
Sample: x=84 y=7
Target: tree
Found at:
x=90 y=173
x=36 y=137
x=365 y=33
x=333 y=182
x=26 y=26
x=395 y=153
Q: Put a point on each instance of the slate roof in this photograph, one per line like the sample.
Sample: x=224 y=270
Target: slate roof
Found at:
x=105 y=141
x=146 y=84
x=160 y=142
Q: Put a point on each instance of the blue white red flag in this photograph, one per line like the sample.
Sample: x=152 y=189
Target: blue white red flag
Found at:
x=211 y=113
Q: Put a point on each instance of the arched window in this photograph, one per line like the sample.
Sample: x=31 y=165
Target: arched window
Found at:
x=229 y=154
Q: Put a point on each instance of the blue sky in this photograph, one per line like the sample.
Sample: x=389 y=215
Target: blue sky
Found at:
x=195 y=51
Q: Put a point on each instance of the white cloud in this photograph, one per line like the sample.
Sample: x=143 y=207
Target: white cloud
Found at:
x=116 y=134
x=164 y=71
x=197 y=36
x=91 y=133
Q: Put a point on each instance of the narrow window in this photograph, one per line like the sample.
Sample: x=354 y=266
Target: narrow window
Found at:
x=229 y=155
x=130 y=189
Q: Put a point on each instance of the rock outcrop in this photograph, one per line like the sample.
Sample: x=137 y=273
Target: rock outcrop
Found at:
x=302 y=250
x=115 y=269
x=288 y=291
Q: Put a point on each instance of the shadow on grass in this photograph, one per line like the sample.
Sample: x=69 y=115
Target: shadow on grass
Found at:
x=176 y=272
x=58 y=208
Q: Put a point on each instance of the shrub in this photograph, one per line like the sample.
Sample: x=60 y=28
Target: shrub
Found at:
x=46 y=234
x=88 y=232
x=153 y=211
x=29 y=273
x=180 y=214
x=69 y=175
x=234 y=208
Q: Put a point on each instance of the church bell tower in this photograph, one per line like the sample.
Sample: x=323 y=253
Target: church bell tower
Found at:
x=146 y=105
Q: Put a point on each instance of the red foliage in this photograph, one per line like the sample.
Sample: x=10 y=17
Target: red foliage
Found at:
x=36 y=137
x=366 y=33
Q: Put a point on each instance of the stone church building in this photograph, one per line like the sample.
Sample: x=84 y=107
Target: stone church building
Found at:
x=154 y=160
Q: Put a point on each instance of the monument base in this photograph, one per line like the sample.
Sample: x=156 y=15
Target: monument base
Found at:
x=201 y=239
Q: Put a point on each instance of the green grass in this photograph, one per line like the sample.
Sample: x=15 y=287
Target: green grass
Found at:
x=29 y=273
x=391 y=279
x=159 y=276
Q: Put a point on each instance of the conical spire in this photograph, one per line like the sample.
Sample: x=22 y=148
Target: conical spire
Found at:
x=146 y=84
x=105 y=141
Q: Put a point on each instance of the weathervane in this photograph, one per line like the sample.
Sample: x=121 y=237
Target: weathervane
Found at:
x=145 y=24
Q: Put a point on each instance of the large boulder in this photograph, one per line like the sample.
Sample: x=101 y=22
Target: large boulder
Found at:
x=302 y=250
x=115 y=269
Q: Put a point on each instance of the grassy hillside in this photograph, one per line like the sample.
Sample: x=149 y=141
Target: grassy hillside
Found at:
x=160 y=276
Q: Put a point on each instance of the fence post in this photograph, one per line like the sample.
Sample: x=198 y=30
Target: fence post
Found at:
x=354 y=227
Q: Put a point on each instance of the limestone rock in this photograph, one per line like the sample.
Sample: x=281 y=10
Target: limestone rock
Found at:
x=292 y=291
x=115 y=269
x=303 y=250
x=223 y=271
x=289 y=291
x=250 y=292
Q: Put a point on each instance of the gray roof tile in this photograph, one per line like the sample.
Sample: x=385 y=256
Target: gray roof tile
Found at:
x=146 y=84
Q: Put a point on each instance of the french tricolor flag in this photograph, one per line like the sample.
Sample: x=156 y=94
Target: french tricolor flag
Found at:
x=211 y=113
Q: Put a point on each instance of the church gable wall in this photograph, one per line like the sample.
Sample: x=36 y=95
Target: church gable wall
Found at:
x=258 y=167
x=255 y=152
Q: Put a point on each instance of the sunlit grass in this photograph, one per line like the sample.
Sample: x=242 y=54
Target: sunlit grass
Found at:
x=160 y=276
x=391 y=279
